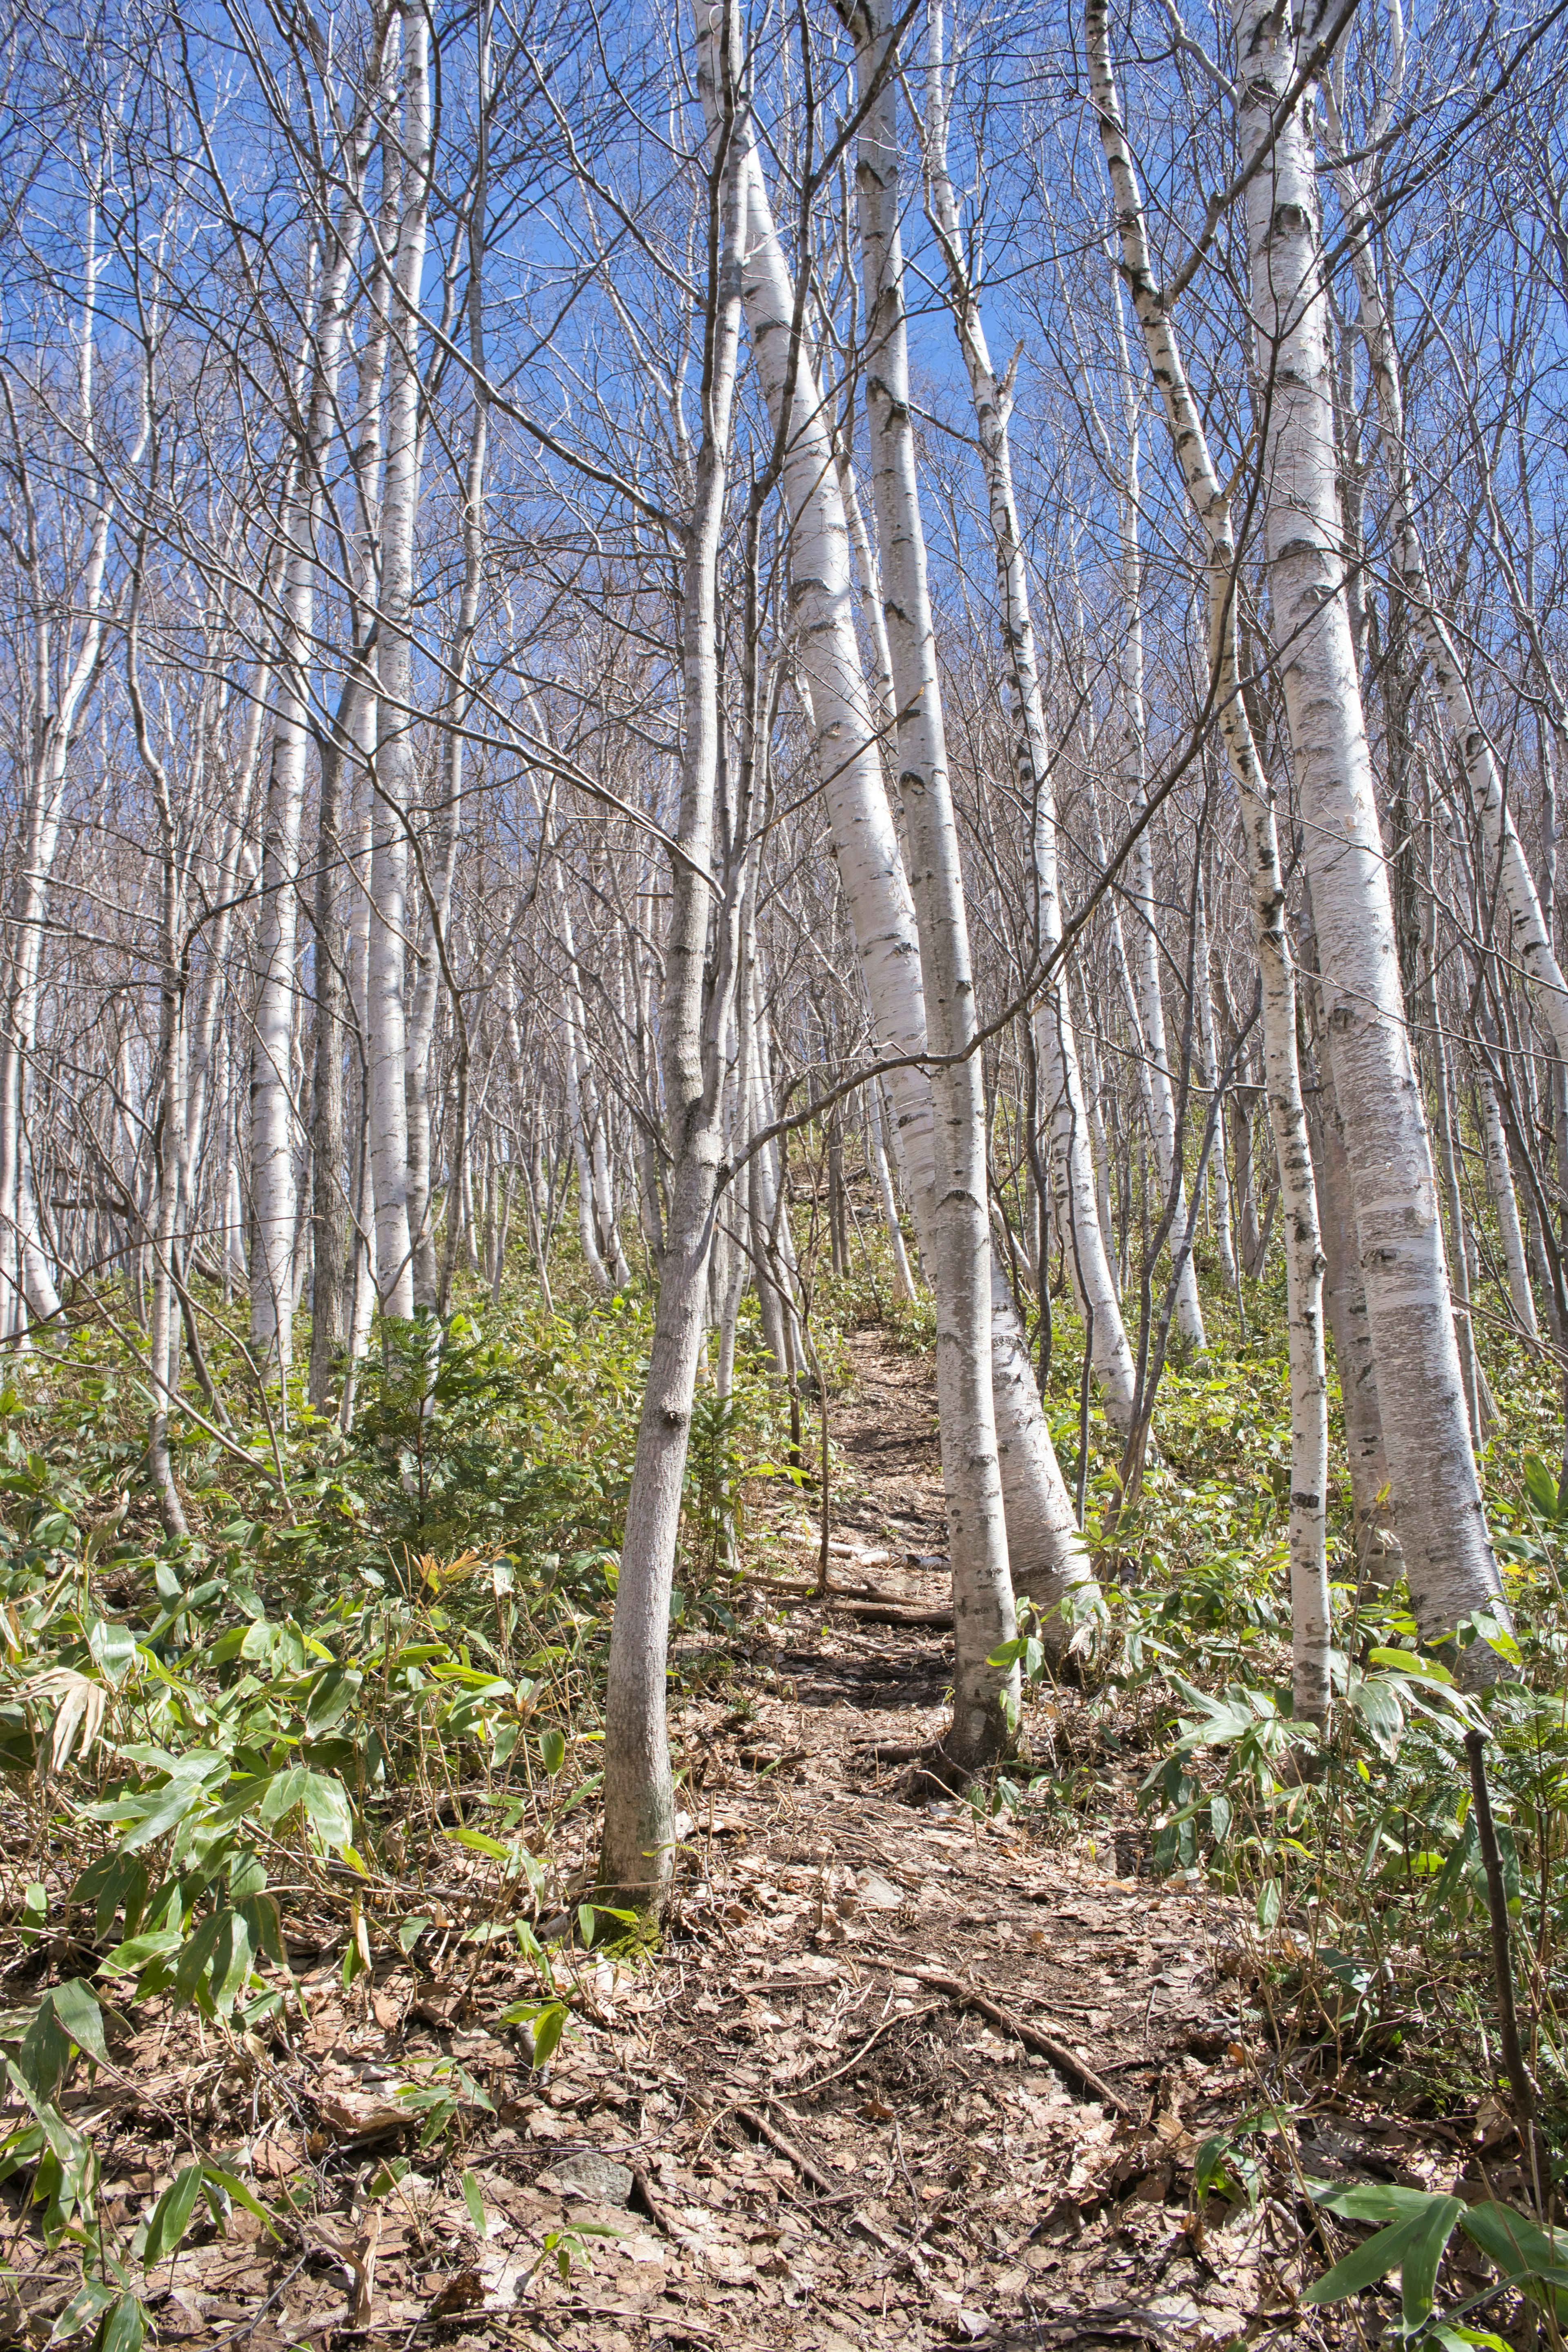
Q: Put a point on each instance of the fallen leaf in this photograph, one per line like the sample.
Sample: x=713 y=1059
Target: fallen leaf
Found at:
x=464 y=2291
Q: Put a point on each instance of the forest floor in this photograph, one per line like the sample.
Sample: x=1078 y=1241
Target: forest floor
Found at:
x=896 y=2075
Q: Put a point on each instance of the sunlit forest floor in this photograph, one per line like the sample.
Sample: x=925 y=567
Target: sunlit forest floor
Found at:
x=1072 y=2059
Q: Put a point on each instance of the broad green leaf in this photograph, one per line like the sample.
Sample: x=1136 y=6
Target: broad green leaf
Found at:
x=479 y=1843
x=1520 y=2247
x=474 y=2201
x=552 y=1750
x=1372 y=2201
x=1268 y=1901
x=1365 y=2266
x=124 y=2327
x=241 y=2194
x=1541 y=1485
x=89 y=2303
x=332 y=1695
x=78 y=2011
x=1418 y=2273
x=172 y=2215
x=114 y=1649
x=157 y=1944
x=169 y=1807
x=1406 y=1662
x=547 y=2033
x=327 y=1809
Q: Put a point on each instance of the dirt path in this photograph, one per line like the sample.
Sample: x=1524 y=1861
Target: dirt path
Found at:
x=831 y=2151
x=798 y=2133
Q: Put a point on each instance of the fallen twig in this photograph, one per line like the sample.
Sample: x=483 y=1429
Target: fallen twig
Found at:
x=1075 y=2069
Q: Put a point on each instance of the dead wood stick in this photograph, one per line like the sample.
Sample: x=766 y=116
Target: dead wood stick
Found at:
x=820 y=2183
x=802 y=2163
x=891 y=1612
x=1061 y=2057
x=642 y=2195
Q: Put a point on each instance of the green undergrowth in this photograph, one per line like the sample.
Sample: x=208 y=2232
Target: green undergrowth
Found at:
x=356 y=1713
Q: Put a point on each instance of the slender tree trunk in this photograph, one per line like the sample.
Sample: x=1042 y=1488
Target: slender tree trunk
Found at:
x=1500 y=1184
x=274 y=1115
x=1055 y=1043
x=394 y=757
x=636 y=1856
x=986 y=1698
x=1287 y=1112
x=1046 y=1554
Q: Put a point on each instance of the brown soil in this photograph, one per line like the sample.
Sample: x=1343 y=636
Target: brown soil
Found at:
x=830 y=2145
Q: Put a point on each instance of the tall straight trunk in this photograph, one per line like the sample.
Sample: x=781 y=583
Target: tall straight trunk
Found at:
x=162 y=1338
x=1148 y=994
x=1505 y=1200
x=986 y=1698
x=330 y=1178
x=701 y=968
x=274 y=1121
x=1219 y=1159
x=1286 y=1111
x=53 y=718
x=1440 y=1514
x=1531 y=940
x=234 y=867
x=1377 y=1548
x=1061 y=1086
x=441 y=868
x=395 y=759
x=1044 y=1551
x=579 y=1086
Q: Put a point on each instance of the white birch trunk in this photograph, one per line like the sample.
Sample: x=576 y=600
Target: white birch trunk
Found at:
x=636 y=1856
x=887 y=1200
x=1287 y=1112
x=1046 y=1556
x=394 y=765
x=1440 y=1512
x=986 y=1698
x=1055 y=1043
x=1531 y=940
x=1500 y=1184
x=1148 y=996
x=274 y=1121
x=28 y=1288
x=1219 y=1161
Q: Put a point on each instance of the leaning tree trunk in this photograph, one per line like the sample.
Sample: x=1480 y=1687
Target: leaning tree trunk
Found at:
x=1287 y=1112
x=1440 y=1514
x=985 y=1697
x=1061 y=1083
x=1044 y=1552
